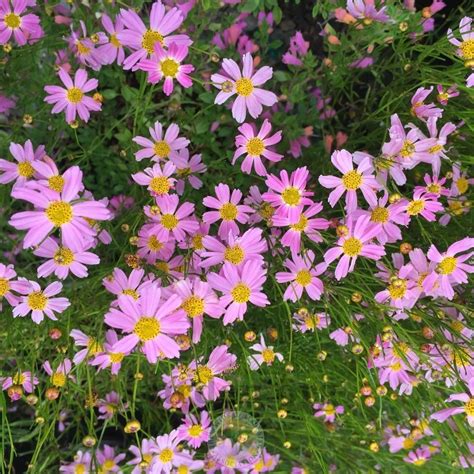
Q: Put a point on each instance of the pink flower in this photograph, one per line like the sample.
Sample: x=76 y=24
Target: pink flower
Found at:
x=255 y=146
x=245 y=84
x=328 y=411
x=423 y=204
x=7 y=285
x=158 y=181
x=82 y=462
x=12 y=22
x=302 y=277
x=73 y=98
x=186 y=168
x=195 y=431
x=465 y=50
x=418 y=457
x=112 y=50
x=47 y=175
x=6 y=103
x=84 y=49
x=23 y=170
x=298 y=48
x=63 y=260
x=20 y=381
x=228 y=210
x=461 y=182
x=305 y=321
x=167 y=65
x=59 y=377
x=107 y=459
x=91 y=346
x=152 y=245
x=119 y=284
x=162 y=146
x=142 y=40
x=354 y=244
x=365 y=10
x=144 y=452
x=58 y=211
x=239 y=287
x=467 y=398
x=420 y=109
x=402 y=291
x=445 y=94
x=150 y=322
x=109 y=358
x=287 y=194
x=352 y=180
x=265 y=354
x=41 y=302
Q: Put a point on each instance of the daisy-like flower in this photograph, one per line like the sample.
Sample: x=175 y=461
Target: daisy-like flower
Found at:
x=82 y=463
x=423 y=204
x=107 y=459
x=13 y=21
x=352 y=180
x=255 y=146
x=250 y=97
x=166 y=453
x=445 y=94
x=228 y=210
x=73 y=98
x=62 y=260
x=450 y=269
x=264 y=354
x=302 y=277
x=328 y=411
x=152 y=245
x=20 y=382
x=249 y=246
x=419 y=456
x=466 y=46
x=420 y=109
x=109 y=358
x=110 y=405
x=287 y=194
x=157 y=180
x=162 y=146
x=48 y=175
x=60 y=375
x=119 y=284
x=239 y=287
x=142 y=40
x=194 y=430
x=23 y=170
x=84 y=49
x=365 y=10
x=187 y=168
x=230 y=458
x=355 y=244
x=197 y=299
x=150 y=322
x=467 y=398
x=143 y=456
x=402 y=291
x=91 y=346
x=461 y=181
x=220 y=361
x=167 y=64
x=58 y=211
x=175 y=220
x=112 y=50
x=434 y=185
x=7 y=285
x=41 y=302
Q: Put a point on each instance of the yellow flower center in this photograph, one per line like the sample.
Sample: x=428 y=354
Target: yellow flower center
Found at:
x=64 y=256
x=462 y=184
x=4 y=287
x=352 y=180
x=435 y=149
x=166 y=455
x=433 y=188
x=183 y=172
x=12 y=20
x=183 y=469
x=303 y=277
x=415 y=207
x=114 y=40
x=255 y=146
x=291 y=196
x=408 y=443
x=268 y=355
x=301 y=225
x=94 y=346
x=161 y=149
x=131 y=293
x=108 y=465
x=379 y=214
x=37 y=300
x=244 y=86
x=259 y=465
x=352 y=247
x=329 y=409
x=396 y=367
x=447 y=266
x=160 y=185
x=146 y=328
x=469 y=407
x=266 y=211
x=197 y=242
x=228 y=211
x=163 y=267
x=398 y=289
x=56 y=183
x=58 y=379
x=203 y=374
x=149 y=39
x=419 y=461
x=74 y=95
x=19 y=379
x=169 y=221
x=154 y=244
x=169 y=67
x=116 y=357
x=241 y=293
x=59 y=213
x=195 y=431
x=456 y=207
x=185 y=390
x=82 y=48
x=194 y=306
x=458 y=326
x=443 y=96
x=407 y=149
x=80 y=469
x=230 y=461
x=466 y=47
x=25 y=169
x=234 y=254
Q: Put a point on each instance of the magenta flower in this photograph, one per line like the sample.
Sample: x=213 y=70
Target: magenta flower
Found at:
x=84 y=49
x=228 y=210
x=23 y=170
x=298 y=49
x=6 y=104
x=467 y=398
x=402 y=291
x=157 y=180
x=287 y=194
x=423 y=204
x=152 y=245
x=187 y=168
x=150 y=322
x=303 y=276
x=24 y=28
x=465 y=47
x=245 y=84
x=8 y=284
x=420 y=109
x=142 y=40
x=352 y=180
x=58 y=211
x=162 y=146
x=239 y=287
x=195 y=431
x=167 y=64
x=62 y=260
x=112 y=50
x=445 y=94
x=73 y=98
x=264 y=354
x=255 y=146
x=41 y=302
x=355 y=244
x=328 y=411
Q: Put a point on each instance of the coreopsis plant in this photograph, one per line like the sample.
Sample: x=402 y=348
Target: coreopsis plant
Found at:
x=236 y=236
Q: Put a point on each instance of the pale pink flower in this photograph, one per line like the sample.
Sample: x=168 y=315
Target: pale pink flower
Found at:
x=467 y=407
x=328 y=411
x=13 y=21
x=465 y=50
x=264 y=354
